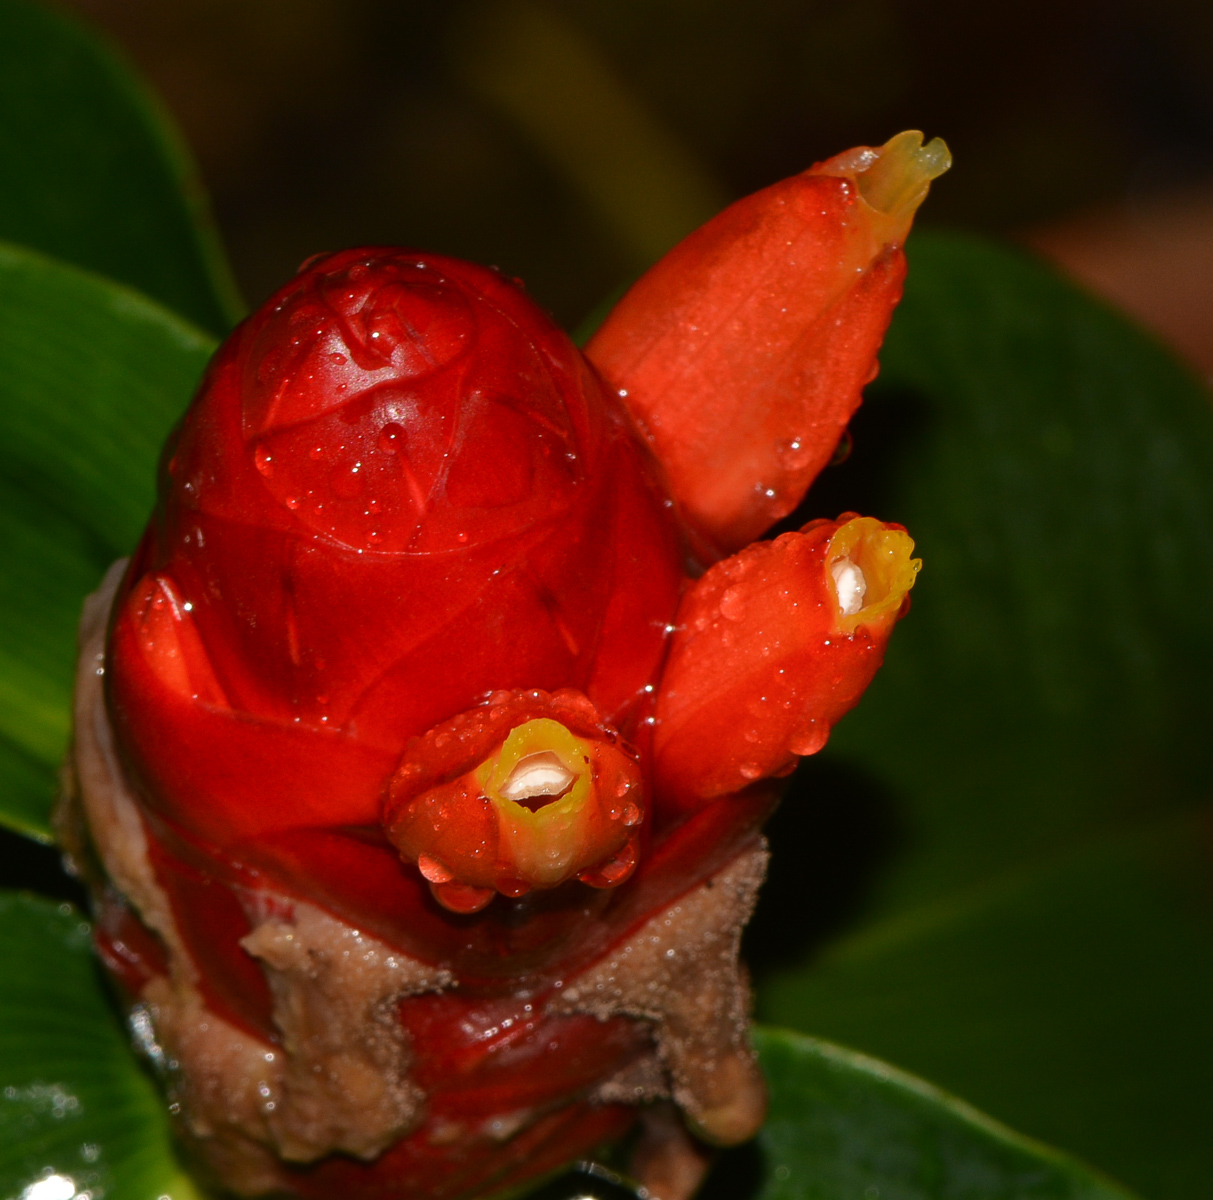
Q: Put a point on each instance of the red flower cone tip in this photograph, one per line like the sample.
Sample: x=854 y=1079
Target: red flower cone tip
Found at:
x=744 y=351
x=418 y=783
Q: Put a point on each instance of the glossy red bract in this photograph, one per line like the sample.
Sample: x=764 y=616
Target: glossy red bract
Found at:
x=364 y=556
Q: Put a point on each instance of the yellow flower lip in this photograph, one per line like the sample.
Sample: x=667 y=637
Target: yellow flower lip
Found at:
x=900 y=175
x=527 y=790
x=868 y=572
x=892 y=181
x=540 y=761
x=541 y=785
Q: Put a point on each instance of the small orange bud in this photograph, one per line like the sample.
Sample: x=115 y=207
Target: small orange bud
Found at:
x=743 y=352
x=526 y=791
x=772 y=647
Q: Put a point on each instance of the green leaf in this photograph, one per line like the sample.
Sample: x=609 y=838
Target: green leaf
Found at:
x=1038 y=735
x=91 y=170
x=1071 y=999
x=1056 y=469
x=92 y=377
x=844 y=1126
x=74 y=1102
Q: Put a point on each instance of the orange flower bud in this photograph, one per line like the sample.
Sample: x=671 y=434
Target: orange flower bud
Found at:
x=772 y=647
x=551 y=796
x=743 y=352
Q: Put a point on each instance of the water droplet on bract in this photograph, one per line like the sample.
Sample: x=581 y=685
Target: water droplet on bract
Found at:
x=433 y=870
x=292 y=502
x=631 y=814
x=615 y=871
x=732 y=604
x=793 y=455
x=373 y=507
x=347 y=481
x=391 y=437
x=374 y=537
x=264 y=460
x=316 y=453
x=810 y=740
x=750 y=770
x=339 y=359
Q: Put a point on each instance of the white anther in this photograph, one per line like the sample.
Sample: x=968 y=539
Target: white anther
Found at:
x=850 y=585
x=541 y=774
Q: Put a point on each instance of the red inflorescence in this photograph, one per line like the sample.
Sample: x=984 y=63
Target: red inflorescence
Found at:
x=422 y=723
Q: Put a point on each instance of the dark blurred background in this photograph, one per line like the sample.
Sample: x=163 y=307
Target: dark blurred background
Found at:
x=571 y=141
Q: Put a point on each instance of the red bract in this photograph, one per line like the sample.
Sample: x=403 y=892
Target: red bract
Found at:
x=426 y=785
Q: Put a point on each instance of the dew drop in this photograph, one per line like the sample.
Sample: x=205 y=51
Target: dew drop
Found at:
x=793 y=455
x=810 y=740
x=347 y=481
x=843 y=450
x=433 y=870
x=391 y=437
x=50 y=1187
x=292 y=502
x=263 y=460
x=615 y=872
x=750 y=770
x=732 y=604
x=631 y=815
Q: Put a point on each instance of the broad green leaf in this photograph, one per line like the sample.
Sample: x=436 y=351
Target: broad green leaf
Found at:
x=77 y=1113
x=91 y=170
x=92 y=377
x=1039 y=943
x=1056 y=469
x=844 y=1126
x=1070 y=999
